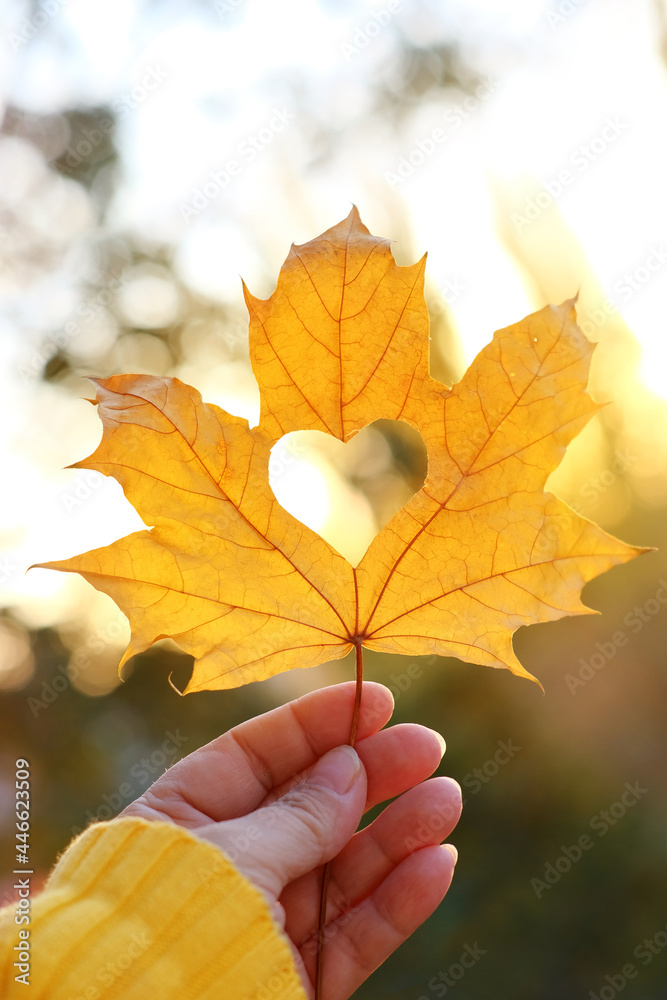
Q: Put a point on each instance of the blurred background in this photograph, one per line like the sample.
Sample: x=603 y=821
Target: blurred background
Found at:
x=523 y=144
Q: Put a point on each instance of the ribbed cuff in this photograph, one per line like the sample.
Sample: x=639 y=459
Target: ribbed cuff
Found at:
x=138 y=909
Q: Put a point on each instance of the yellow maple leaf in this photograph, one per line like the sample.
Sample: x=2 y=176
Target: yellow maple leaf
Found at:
x=480 y=550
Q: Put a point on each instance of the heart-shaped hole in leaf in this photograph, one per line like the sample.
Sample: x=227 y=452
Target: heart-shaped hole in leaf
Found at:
x=348 y=492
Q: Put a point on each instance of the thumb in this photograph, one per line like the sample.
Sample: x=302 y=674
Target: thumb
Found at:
x=304 y=828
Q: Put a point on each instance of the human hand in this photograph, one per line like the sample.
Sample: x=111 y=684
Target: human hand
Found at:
x=270 y=793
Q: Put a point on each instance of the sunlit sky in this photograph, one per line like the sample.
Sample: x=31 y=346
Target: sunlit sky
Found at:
x=583 y=93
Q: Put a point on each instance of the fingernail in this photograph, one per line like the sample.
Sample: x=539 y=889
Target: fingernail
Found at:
x=339 y=769
x=456 y=790
x=441 y=741
x=452 y=850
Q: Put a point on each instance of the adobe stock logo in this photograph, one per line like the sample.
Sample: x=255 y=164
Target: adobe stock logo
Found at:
x=635 y=620
x=246 y=152
x=366 y=32
x=601 y=824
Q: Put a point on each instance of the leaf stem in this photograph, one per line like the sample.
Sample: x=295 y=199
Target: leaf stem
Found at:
x=326 y=874
x=357 y=694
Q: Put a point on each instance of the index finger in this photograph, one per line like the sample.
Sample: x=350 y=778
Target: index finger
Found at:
x=233 y=774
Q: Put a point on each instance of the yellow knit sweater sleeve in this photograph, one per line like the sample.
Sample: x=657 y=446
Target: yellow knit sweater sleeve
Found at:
x=144 y=910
